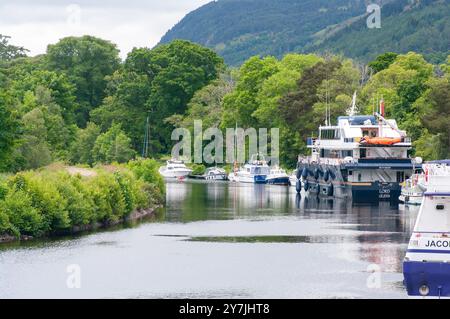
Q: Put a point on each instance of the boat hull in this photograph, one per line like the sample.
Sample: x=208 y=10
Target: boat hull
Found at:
x=250 y=179
x=334 y=181
x=434 y=275
x=279 y=181
x=174 y=174
x=410 y=200
x=219 y=177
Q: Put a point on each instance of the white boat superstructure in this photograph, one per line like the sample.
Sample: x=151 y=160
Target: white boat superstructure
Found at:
x=175 y=169
x=426 y=266
x=256 y=171
x=363 y=157
x=278 y=176
x=216 y=174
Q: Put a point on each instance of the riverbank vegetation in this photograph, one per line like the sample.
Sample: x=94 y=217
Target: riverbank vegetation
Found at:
x=63 y=200
x=80 y=104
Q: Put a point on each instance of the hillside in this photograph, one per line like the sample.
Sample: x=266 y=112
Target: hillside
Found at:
x=238 y=29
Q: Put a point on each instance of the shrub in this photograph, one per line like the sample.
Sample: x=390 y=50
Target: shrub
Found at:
x=79 y=204
x=20 y=212
x=45 y=198
x=198 y=169
x=148 y=171
x=5 y=225
x=45 y=202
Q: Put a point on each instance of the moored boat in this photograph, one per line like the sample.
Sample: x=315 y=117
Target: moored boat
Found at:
x=426 y=267
x=412 y=190
x=215 y=174
x=256 y=171
x=278 y=176
x=363 y=157
x=175 y=169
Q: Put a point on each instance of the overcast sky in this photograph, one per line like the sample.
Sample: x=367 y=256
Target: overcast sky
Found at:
x=129 y=23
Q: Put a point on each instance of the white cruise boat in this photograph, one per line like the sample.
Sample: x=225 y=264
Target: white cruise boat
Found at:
x=426 y=267
x=175 y=169
x=278 y=176
x=256 y=171
x=362 y=157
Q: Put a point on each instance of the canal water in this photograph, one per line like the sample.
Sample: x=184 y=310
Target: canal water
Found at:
x=220 y=240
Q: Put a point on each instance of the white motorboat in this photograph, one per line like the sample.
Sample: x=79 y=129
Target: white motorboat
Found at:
x=426 y=267
x=278 y=176
x=175 y=169
x=215 y=174
x=256 y=171
x=413 y=190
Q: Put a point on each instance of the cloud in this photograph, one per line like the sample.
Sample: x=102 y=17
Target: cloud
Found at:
x=130 y=23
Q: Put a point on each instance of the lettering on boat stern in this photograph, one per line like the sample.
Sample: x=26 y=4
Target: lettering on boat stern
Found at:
x=385 y=191
x=438 y=243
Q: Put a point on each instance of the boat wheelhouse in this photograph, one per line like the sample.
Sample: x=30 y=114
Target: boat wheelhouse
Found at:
x=362 y=157
x=256 y=171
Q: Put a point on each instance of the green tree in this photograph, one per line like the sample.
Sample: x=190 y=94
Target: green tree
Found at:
x=435 y=114
x=8 y=130
x=383 y=61
x=156 y=83
x=240 y=104
x=8 y=51
x=113 y=146
x=33 y=150
x=86 y=61
x=81 y=151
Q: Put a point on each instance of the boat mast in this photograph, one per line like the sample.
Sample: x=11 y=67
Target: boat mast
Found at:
x=146 y=138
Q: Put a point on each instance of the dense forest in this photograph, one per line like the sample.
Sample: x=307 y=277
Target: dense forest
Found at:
x=239 y=29
x=80 y=104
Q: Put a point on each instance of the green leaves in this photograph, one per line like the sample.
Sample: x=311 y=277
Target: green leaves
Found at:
x=86 y=61
x=112 y=146
x=51 y=202
x=8 y=130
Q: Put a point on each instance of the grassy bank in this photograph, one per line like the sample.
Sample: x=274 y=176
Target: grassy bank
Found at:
x=59 y=200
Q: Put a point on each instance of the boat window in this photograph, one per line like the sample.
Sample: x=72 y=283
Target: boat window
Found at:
x=330 y=134
x=359 y=177
x=362 y=153
x=440 y=207
x=347 y=154
x=400 y=177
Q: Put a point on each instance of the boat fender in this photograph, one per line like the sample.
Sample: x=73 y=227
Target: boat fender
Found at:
x=326 y=175
x=298 y=186
x=330 y=190
x=332 y=175
x=317 y=173
x=306 y=185
x=304 y=173
x=299 y=171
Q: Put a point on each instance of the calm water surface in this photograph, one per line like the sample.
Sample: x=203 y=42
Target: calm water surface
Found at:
x=225 y=241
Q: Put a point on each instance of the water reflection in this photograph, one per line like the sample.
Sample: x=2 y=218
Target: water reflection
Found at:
x=382 y=231
x=215 y=240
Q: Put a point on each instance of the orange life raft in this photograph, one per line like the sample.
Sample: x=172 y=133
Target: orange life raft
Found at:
x=380 y=140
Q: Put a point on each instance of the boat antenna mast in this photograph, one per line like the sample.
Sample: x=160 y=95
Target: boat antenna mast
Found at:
x=353 y=109
x=146 y=145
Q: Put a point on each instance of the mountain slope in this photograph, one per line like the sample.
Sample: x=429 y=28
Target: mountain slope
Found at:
x=238 y=29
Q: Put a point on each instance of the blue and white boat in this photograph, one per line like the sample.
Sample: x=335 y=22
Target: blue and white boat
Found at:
x=278 y=176
x=426 y=267
x=256 y=171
